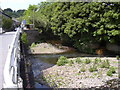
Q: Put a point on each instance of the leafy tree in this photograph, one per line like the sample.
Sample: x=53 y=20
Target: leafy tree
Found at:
x=81 y=23
x=6 y=23
x=12 y=13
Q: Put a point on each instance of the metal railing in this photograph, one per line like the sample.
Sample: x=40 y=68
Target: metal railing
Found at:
x=11 y=72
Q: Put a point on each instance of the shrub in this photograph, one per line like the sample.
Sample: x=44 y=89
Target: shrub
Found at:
x=70 y=62
x=87 y=61
x=109 y=73
x=78 y=60
x=105 y=64
x=32 y=45
x=117 y=57
x=62 y=61
x=97 y=60
x=6 y=23
x=24 y=38
x=112 y=69
x=93 y=68
x=82 y=69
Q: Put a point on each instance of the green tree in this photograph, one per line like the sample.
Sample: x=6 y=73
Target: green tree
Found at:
x=6 y=23
x=81 y=23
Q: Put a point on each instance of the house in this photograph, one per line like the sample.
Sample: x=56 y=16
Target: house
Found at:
x=15 y=23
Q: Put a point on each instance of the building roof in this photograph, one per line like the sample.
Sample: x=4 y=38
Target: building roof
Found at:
x=1 y=12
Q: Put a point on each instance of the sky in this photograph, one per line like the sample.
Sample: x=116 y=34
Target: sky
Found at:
x=18 y=4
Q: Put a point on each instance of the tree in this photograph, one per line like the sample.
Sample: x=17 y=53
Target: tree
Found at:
x=6 y=23
x=82 y=23
x=12 y=13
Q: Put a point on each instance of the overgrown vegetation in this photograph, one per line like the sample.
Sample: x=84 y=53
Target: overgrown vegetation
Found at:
x=93 y=68
x=82 y=69
x=70 y=62
x=94 y=64
x=111 y=71
x=78 y=60
x=105 y=64
x=117 y=57
x=87 y=61
x=6 y=23
x=62 y=61
x=79 y=24
x=32 y=45
x=24 y=38
x=97 y=60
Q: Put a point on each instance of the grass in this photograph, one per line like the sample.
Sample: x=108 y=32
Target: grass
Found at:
x=78 y=60
x=111 y=71
x=93 y=68
x=87 y=61
x=24 y=38
x=94 y=74
x=82 y=69
x=105 y=64
x=62 y=61
x=97 y=60
x=117 y=57
x=70 y=63
x=32 y=45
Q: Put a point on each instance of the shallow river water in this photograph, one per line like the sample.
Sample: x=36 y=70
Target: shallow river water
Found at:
x=50 y=60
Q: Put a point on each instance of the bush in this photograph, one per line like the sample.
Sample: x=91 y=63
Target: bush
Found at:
x=78 y=60
x=70 y=62
x=32 y=45
x=109 y=73
x=112 y=69
x=117 y=57
x=97 y=60
x=62 y=61
x=87 y=61
x=6 y=23
x=24 y=38
x=82 y=69
x=93 y=68
x=105 y=64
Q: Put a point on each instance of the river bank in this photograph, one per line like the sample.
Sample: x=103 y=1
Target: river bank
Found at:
x=48 y=48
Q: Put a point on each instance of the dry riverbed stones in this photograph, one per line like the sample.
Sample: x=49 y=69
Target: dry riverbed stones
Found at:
x=87 y=72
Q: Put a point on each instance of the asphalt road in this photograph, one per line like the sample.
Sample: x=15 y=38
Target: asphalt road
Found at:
x=5 y=42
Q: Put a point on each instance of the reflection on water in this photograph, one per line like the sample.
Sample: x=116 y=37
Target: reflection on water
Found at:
x=44 y=61
x=52 y=58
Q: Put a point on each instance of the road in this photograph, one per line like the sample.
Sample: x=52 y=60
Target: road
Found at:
x=5 y=42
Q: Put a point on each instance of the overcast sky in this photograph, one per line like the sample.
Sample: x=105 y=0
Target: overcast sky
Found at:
x=18 y=4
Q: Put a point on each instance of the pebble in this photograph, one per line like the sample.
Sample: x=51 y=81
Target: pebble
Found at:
x=82 y=80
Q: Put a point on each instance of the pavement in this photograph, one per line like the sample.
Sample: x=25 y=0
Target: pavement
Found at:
x=5 y=42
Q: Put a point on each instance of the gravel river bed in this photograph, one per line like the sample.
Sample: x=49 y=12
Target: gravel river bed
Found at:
x=72 y=75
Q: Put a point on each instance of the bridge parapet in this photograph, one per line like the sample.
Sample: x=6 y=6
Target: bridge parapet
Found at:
x=11 y=70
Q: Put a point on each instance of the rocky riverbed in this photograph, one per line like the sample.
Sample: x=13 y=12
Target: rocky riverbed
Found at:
x=73 y=74
x=47 y=48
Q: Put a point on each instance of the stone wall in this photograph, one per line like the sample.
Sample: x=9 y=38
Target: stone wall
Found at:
x=32 y=36
x=113 y=47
